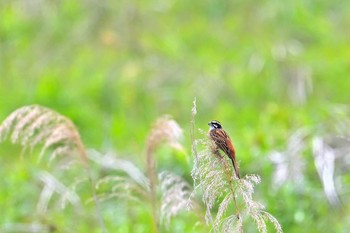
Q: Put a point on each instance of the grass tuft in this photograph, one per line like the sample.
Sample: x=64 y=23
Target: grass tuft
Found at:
x=166 y=192
x=213 y=177
x=35 y=125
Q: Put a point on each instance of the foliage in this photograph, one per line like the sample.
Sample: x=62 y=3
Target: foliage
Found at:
x=275 y=73
x=36 y=125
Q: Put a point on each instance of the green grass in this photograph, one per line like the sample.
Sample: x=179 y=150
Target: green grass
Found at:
x=114 y=68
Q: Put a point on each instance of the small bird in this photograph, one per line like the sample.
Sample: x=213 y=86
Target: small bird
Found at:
x=223 y=142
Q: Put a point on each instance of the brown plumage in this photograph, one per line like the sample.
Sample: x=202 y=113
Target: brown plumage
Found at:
x=223 y=142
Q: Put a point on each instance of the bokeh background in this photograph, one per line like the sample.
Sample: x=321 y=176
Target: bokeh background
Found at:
x=275 y=73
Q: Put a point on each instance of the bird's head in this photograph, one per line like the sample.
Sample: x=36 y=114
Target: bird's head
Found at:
x=214 y=125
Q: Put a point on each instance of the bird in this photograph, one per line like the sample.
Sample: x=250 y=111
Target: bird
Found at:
x=222 y=141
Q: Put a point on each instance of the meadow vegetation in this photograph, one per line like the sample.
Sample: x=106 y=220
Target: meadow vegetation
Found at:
x=98 y=131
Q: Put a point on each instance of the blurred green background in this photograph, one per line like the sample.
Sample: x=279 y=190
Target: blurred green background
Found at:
x=267 y=70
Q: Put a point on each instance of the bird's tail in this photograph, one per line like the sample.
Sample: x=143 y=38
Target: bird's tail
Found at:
x=235 y=167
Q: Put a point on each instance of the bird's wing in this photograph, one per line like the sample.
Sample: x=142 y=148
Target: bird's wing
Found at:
x=223 y=141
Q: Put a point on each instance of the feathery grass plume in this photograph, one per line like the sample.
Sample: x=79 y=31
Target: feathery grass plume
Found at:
x=164 y=130
x=175 y=194
x=166 y=192
x=129 y=184
x=37 y=126
x=213 y=176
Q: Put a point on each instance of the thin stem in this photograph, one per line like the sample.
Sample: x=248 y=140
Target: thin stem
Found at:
x=152 y=184
x=229 y=178
x=98 y=209
x=92 y=186
x=192 y=131
x=82 y=151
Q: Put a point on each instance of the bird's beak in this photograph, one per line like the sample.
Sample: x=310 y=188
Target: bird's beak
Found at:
x=209 y=123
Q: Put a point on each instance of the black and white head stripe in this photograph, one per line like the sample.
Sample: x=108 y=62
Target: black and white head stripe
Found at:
x=215 y=124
